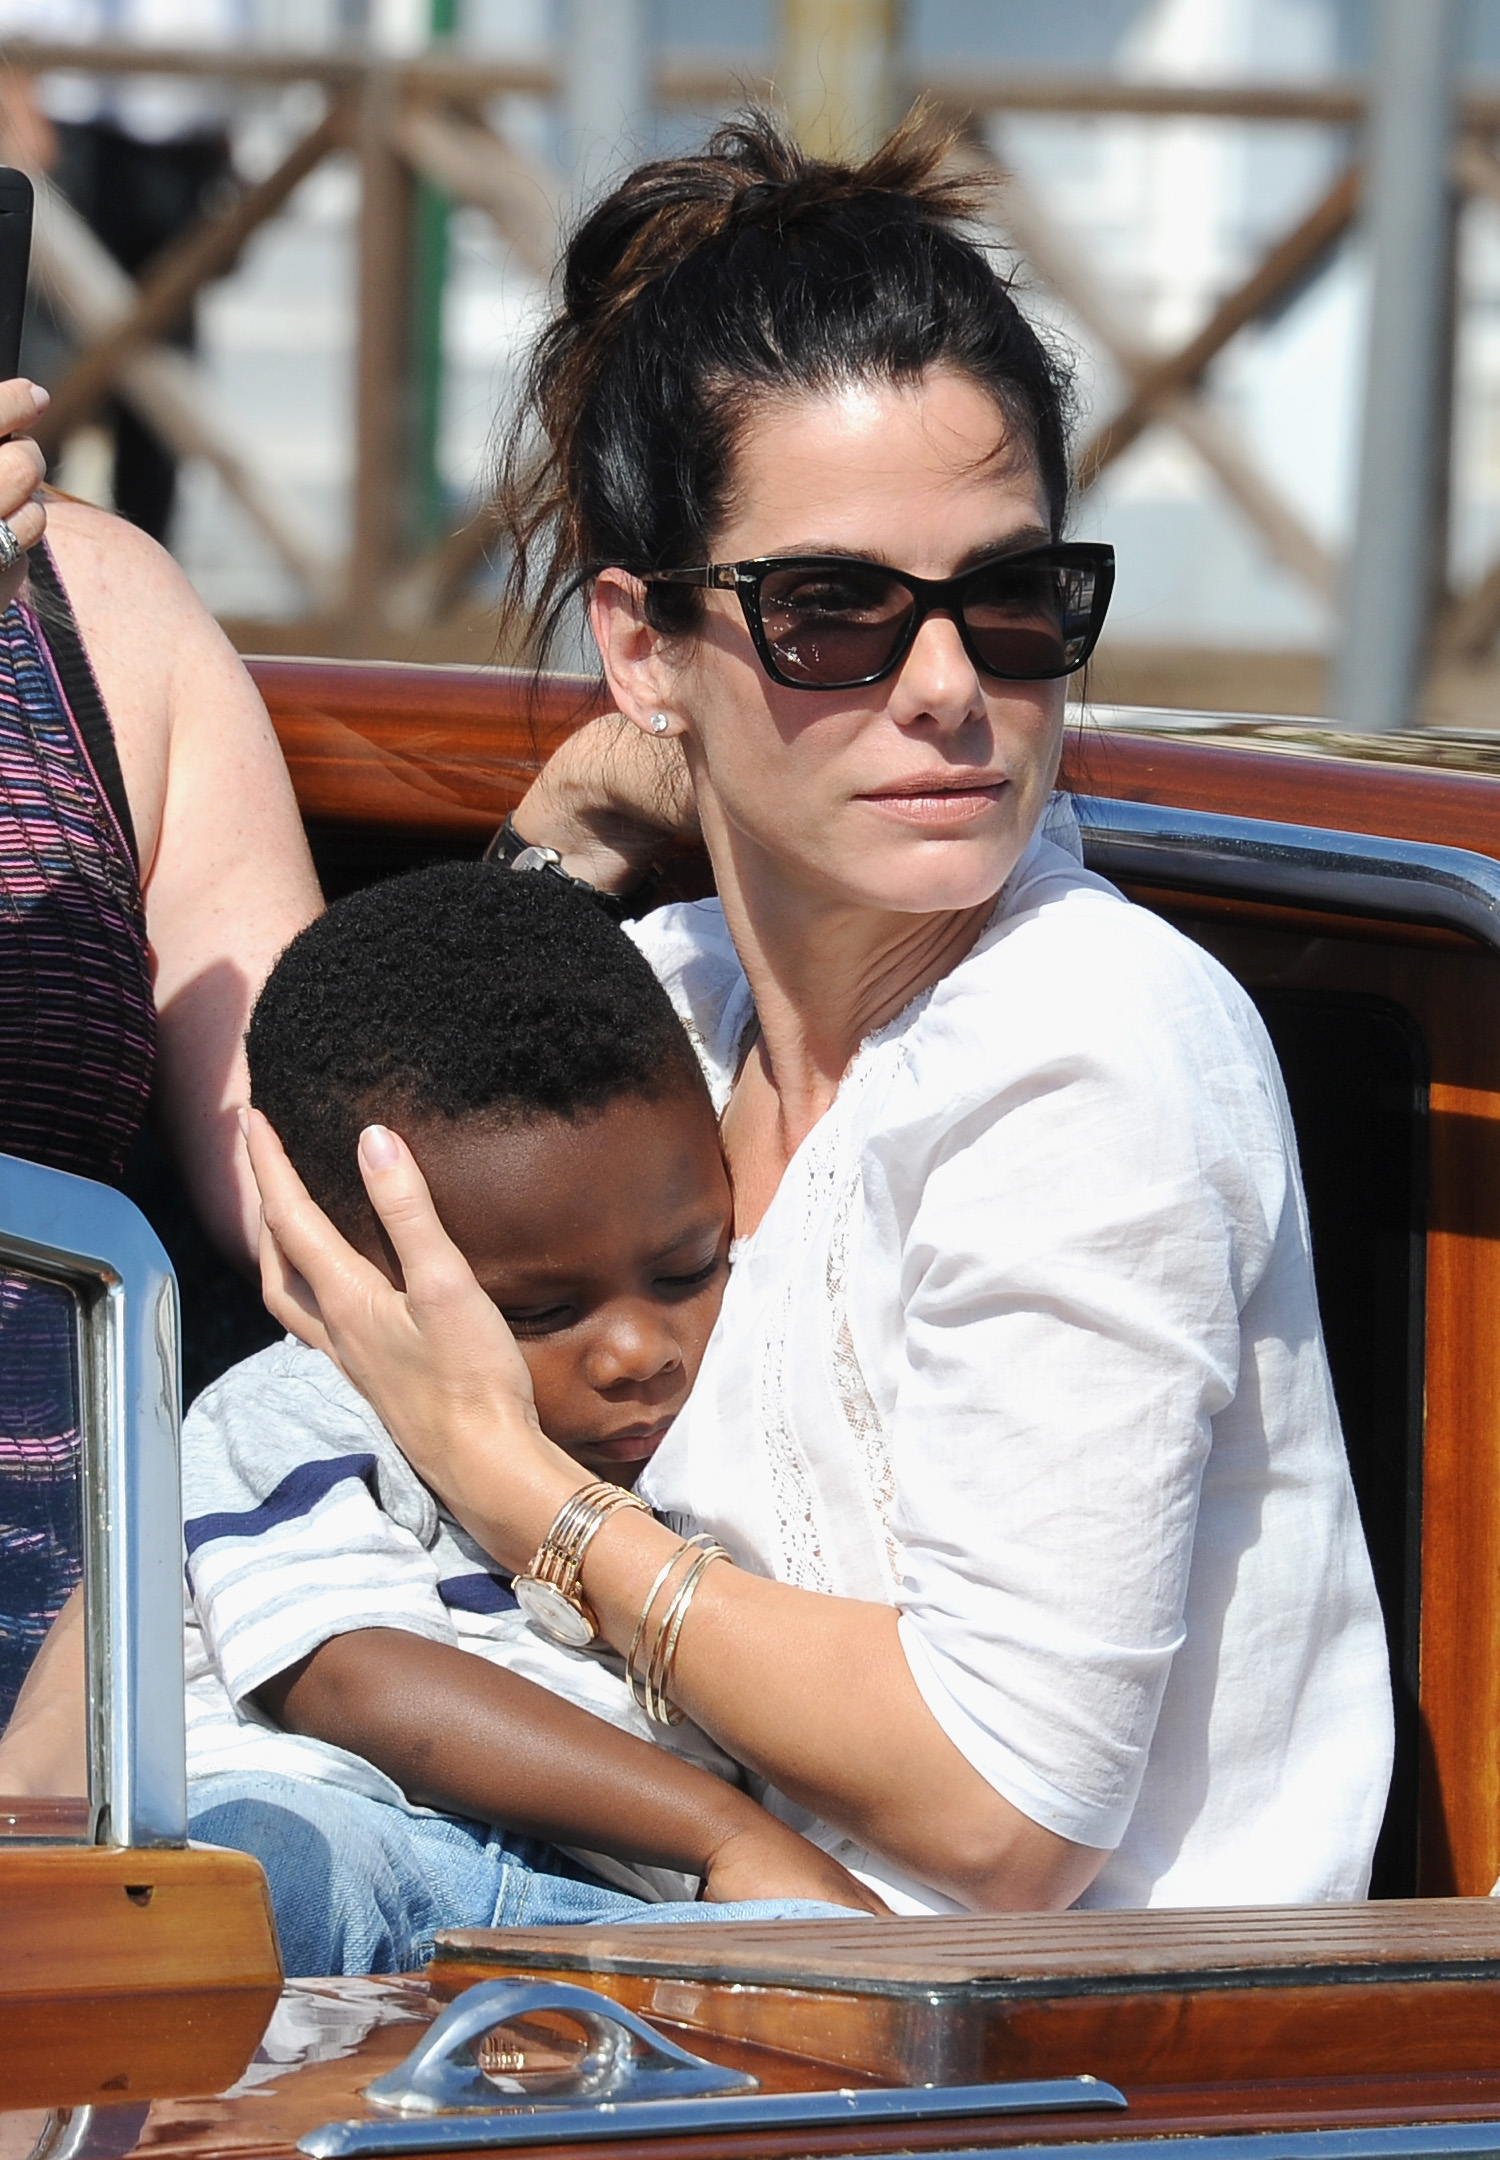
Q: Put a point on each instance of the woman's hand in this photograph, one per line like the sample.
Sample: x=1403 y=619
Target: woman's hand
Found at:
x=813 y=1692
x=22 y=471
x=609 y=800
x=435 y=1358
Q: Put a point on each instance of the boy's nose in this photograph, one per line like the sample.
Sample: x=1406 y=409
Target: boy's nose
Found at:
x=634 y=1345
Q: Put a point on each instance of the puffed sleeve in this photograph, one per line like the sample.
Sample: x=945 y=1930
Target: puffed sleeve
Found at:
x=1085 y=1235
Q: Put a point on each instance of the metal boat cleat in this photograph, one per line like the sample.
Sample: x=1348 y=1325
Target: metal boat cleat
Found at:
x=447 y=2071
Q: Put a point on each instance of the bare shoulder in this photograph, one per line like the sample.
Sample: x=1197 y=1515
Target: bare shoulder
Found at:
x=151 y=640
x=131 y=599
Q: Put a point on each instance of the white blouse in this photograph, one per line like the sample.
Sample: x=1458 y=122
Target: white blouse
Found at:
x=1027 y=1345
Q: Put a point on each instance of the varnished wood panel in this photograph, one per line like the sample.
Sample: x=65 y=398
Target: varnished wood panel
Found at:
x=130 y=1972
x=421 y=750
x=1138 y=1998
x=267 y=2120
x=449 y=750
x=1406 y=802
x=1016 y=1950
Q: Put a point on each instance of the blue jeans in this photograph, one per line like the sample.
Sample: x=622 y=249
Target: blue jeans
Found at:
x=360 y=1887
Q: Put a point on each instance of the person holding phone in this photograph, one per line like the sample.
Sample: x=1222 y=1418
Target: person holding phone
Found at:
x=152 y=865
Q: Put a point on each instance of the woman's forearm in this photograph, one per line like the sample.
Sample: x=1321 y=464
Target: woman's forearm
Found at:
x=609 y=800
x=816 y=1694
x=813 y=1692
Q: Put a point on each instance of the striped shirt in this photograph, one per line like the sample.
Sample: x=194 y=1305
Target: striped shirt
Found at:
x=305 y=1521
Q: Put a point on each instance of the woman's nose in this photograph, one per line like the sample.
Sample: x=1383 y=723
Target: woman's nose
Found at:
x=633 y=1344
x=937 y=681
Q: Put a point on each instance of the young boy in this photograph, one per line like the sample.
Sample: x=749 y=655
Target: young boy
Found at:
x=365 y=1700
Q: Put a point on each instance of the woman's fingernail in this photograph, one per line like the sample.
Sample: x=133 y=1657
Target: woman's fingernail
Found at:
x=377 y=1147
x=242 y=1119
x=40 y=398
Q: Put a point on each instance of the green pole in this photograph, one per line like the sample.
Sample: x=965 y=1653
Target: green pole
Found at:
x=429 y=280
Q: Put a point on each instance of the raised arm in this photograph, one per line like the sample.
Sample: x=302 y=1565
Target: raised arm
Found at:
x=813 y=1692
x=609 y=800
x=224 y=866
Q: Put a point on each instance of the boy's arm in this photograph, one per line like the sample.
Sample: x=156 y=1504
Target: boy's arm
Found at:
x=457 y=1733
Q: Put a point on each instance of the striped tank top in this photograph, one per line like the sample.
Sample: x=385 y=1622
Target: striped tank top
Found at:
x=77 y=1042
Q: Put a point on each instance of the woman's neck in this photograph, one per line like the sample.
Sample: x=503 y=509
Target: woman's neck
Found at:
x=824 y=974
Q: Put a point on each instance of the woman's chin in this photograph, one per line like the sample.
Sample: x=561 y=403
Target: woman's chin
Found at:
x=936 y=876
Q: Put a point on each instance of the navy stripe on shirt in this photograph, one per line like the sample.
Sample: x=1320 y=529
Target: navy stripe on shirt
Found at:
x=298 y=1494
x=477 y=1594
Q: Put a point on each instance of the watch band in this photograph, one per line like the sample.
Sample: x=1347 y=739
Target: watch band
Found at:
x=550 y=1592
x=511 y=852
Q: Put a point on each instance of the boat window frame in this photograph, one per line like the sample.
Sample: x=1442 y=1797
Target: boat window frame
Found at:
x=97 y=1244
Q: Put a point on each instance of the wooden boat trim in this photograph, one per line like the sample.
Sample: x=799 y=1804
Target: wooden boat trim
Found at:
x=1404 y=1938
x=447 y=751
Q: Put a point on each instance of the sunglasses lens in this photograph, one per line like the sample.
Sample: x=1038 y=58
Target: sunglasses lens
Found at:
x=1031 y=621
x=833 y=627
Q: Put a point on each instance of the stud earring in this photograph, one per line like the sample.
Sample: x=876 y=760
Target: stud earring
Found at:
x=659 y=723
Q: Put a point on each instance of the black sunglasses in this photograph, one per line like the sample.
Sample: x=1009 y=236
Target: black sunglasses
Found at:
x=832 y=622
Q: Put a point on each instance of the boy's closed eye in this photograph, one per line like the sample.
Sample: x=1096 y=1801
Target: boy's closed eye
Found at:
x=551 y=1319
x=603 y=1238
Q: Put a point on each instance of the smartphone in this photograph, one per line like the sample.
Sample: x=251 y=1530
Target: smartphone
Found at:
x=15 y=260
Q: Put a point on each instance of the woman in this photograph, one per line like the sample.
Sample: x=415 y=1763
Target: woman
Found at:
x=1017 y=1423
x=152 y=864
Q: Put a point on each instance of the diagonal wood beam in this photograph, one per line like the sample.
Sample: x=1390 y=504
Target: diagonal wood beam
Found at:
x=1292 y=542
x=526 y=203
x=1466 y=627
x=471 y=163
x=174 y=278
x=431 y=588
x=1080 y=288
x=1477 y=169
x=168 y=388
x=1292 y=258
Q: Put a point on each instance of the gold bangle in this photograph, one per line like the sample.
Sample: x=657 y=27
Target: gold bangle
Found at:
x=664 y=1649
x=640 y=1627
x=663 y=1655
x=549 y=1591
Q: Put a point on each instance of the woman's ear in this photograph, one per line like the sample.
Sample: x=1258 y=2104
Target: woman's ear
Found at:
x=634 y=654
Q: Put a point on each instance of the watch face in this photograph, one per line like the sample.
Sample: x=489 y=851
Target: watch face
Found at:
x=552 y=1614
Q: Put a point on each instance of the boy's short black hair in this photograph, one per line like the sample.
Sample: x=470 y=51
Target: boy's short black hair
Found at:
x=449 y=993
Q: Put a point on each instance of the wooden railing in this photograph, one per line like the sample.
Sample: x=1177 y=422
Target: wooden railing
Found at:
x=443 y=753
x=424 y=121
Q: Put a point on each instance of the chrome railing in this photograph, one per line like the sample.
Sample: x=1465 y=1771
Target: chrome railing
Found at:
x=93 y=1242
x=1348 y=873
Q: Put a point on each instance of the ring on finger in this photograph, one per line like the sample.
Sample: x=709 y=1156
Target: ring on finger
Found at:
x=11 y=550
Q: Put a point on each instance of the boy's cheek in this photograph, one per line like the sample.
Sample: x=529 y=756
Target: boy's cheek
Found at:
x=554 y=1382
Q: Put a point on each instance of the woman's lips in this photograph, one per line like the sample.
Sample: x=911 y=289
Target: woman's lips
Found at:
x=932 y=804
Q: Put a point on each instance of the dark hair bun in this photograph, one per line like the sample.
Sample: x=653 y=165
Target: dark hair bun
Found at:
x=743 y=270
x=749 y=173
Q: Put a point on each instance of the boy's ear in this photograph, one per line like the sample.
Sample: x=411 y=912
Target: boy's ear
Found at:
x=634 y=653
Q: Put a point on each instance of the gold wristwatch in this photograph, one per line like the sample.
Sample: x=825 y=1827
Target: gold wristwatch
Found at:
x=550 y=1593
